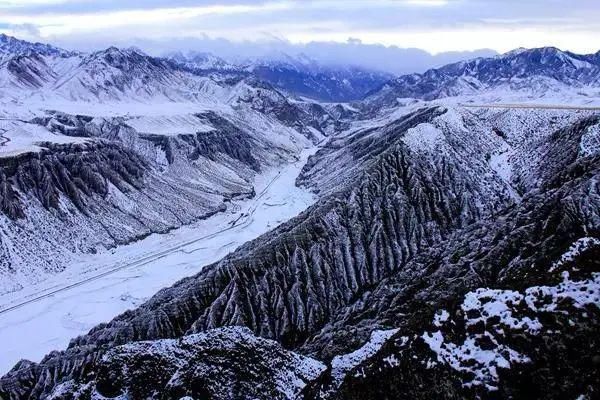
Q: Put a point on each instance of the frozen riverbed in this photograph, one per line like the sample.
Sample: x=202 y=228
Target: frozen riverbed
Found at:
x=46 y=317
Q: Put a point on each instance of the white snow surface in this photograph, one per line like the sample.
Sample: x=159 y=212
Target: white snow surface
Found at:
x=423 y=137
x=17 y=137
x=341 y=365
x=500 y=161
x=113 y=281
x=485 y=362
x=168 y=125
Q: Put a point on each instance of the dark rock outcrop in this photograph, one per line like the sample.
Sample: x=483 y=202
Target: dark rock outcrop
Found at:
x=225 y=363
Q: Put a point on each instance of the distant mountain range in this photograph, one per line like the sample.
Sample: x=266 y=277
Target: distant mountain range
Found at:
x=116 y=74
x=538 y=72
x=10 y=46
x=300 y=75
x=119 y=74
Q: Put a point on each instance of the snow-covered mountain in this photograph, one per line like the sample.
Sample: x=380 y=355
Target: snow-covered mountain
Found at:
x=535 y=73
x=103 y=76
x=296 y=75
x=119 y=74
x=27 y=67
x=122 y=144
x=114 y=74
x=10 y=46
x=203 y=62
x=451 y=247
x=451 y=251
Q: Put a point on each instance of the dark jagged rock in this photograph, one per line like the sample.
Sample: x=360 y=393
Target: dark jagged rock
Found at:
x=225 y=363
x=72 y=170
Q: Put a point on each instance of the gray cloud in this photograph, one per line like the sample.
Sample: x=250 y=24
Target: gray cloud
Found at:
x=373 y=13
x=25 y=29
x=86 y=6
x=376 y=33
x=390 y=59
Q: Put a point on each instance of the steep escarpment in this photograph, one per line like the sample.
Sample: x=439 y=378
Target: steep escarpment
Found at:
x=503 y=302
x=518 y=217
x=71 y=170
x=515 y=249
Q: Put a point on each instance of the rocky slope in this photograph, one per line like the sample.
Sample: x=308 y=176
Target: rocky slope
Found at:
x=166 y=368
x=412 y=233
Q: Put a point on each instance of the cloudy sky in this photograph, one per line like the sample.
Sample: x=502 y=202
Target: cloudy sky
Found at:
x=436 y=26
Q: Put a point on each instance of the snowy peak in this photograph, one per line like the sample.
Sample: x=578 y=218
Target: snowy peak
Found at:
x=547 y=62
x=298 y=75
x=129 y=59
x=542 y=59
x=26 y=66
x=201 y=61
x=26 y=72
x=320 y=82
x=10 y=46
x=535 y=71
x=116 y=74
x=285 y=61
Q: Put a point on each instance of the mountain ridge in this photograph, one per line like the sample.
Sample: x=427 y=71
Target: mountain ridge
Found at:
x=539 y=71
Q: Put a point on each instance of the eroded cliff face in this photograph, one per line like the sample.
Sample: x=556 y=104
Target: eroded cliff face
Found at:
x=438 y=204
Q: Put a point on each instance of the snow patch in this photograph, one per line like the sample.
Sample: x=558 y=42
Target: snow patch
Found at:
x=341 y=365
x=440 y=318
x=580 y=293
x=423 y=137
x=480 y=355
x=500 y=162
x=589 y=145
x=471 y=358
x=488 y=303
x=578 y=247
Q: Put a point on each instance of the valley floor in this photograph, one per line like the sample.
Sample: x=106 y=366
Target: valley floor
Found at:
x=46 y=317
